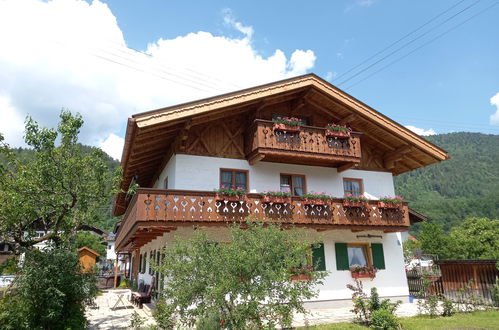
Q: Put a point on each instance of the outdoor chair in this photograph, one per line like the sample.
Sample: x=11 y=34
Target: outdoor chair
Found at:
x=141 y=297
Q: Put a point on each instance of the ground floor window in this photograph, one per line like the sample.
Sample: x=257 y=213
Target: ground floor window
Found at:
x=350 y=255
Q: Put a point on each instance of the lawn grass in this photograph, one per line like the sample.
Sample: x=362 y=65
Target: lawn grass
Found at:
x=475 y=320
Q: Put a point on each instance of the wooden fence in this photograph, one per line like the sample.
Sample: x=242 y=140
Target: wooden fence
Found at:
x=422 y=285
x=459 y=280
x=468 y=278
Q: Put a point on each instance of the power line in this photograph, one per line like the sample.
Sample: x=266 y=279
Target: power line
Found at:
x=408 y=43
x=211 y=81
x=425 y=44
x=402 y=38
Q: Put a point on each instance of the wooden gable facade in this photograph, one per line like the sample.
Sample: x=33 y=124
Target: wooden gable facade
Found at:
x=239 y=126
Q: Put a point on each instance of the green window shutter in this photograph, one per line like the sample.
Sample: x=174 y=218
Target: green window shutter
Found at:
x=318 y=257
x=341 y=256
x=378 y=257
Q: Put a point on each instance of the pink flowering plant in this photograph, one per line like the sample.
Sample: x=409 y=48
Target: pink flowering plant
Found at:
x=314 y=195
x=392 y=200
x=293 y=121
x=338 y=128
x=353 y=198
x=277 y=193
x=227 y=190
x=363 y=271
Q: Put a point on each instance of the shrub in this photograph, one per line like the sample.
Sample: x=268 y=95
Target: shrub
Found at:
x=383 y=319
x=245 y=284
x=365 y=307
x=448 y=306
x=51 y=293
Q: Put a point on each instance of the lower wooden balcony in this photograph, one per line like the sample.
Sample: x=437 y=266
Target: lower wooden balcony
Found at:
x=308 y=146
x=152 y=212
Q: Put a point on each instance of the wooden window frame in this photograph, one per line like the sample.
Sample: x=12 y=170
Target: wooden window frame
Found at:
x=367 y=250
x=233 y=170
x=360 y=181
x=292 y=182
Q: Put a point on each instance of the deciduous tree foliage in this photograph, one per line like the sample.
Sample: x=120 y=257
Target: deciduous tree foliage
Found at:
x=242 y=285
x=57 y=191
x=475 y=238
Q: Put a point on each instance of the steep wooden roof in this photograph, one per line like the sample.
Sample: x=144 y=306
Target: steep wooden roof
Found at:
x=150 y=134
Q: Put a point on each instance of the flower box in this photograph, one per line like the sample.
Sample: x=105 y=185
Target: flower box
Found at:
x=363 y=275
x=347 y=203
x=337 y=134
x=315 y=201
x=301 y=277
x=286 y=127
x=276 y=199
x=432 y=277
x=229 y=198
x=387 y=205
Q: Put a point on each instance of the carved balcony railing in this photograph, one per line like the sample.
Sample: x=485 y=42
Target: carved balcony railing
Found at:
x=153 y=212
x=309 y=146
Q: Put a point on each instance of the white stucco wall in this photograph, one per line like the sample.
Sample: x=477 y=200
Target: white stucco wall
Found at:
x=110 y=252
x=203 y=173
x=390 y=282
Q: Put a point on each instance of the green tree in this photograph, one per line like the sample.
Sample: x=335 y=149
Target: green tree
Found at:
x=435 y=241
x=57 y=191
x=242 y=285
x=51 y=293
x=476 y=238
x=96 y=243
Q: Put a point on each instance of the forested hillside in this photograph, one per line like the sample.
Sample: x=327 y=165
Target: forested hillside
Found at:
x=105 y=219
x=466 y=185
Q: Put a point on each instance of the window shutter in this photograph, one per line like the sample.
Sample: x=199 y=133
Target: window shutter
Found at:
x=378 y=257
x=341 y=256
x=318 y=257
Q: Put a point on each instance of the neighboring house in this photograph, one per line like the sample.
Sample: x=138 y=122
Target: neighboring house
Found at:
x=179 y=155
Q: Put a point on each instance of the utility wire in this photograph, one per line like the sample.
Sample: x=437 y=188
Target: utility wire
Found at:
x=425 y=44
x=408 y=43
x=399 y=40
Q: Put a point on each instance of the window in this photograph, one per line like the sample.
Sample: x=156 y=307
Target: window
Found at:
x=293 y=183
x=353 y=186
x=359 y=254
x=140 y=263
x=165 y=183
x=109 y=246
x=233 y=179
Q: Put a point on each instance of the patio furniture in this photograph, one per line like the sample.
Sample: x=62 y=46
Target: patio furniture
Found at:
x=141 y=297
x=120 y=294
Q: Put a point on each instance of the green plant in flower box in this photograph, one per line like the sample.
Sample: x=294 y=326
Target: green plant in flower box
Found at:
x=317 y=198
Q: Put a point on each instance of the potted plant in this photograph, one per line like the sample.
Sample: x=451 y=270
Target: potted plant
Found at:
x=313 y=198
x=363 y=272
x=301 y=274
x=226 y=193
x=277 y=197
x=388 y=202
x=354 y=201
x=288 y=124
x=338 y=131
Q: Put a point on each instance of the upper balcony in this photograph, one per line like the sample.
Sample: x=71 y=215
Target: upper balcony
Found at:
x=308 y=146
x=152 y=212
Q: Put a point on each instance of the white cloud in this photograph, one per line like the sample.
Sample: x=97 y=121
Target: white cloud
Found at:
x=494 y=118
x=421 y=131
x=113 y=145
x=52 y=58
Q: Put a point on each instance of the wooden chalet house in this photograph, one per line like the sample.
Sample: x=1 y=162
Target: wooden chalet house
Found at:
x=179 y=155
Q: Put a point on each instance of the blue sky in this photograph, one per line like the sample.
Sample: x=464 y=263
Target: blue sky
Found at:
x=446 y=81
x=448 y=85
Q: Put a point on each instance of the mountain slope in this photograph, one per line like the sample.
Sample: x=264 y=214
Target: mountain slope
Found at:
x=465 y=185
